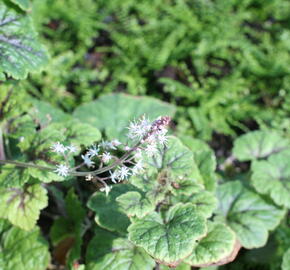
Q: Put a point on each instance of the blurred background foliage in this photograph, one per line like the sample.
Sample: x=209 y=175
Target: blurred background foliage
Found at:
x=224 y=63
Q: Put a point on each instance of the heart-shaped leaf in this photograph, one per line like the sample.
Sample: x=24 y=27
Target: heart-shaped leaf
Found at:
x=258 y=144
x=133 y=204
x=171 y=239
x=214 y=247
x=20 y=52
x=113 y=113
x=22 y=206
x=248 y=215
x=272 y=177
x=22 y=250
x=107 y=251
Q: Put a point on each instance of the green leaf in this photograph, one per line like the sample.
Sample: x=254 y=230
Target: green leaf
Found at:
x=20 y=52
x=45 y=113
x=22 y=250
x=272 y=177
x=22 y=206
x=107 y=251
x=248 y=215
x=172 y=239
x=109 y=214
x=204 y=201
x=23 y=4
x=214 y=247
x=205 y=160
x=286 y=260
x=181 y=266
x=133 y=204
x=113 y=113
x=44 y=176
x=258 y=144
x=81 y=133
x=13 y=177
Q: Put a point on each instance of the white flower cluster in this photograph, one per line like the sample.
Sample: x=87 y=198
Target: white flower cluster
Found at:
x=145 y=136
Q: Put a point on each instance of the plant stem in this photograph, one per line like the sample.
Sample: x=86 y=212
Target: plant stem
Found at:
x=25 y=165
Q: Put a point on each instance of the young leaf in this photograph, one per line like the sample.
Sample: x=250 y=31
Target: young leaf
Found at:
x=22 y=206
x=272 y=177
x=248 y=215
x=107 y=251
x=172 y=239
x=109 y=214
x=133 y=204
x=286 y=260
x=258 y=144
x=214 y=247
x=20 y=52
x=22 y=250
x=113 y=113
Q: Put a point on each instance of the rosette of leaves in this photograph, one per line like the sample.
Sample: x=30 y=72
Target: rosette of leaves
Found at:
x=20 y=51
x=163 y=213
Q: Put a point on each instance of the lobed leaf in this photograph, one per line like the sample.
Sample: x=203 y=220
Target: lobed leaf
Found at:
x=171 y=239
x=20 y=52
x=107 y=251
x=108 y=213
x=272 y=177
x=248 y=215
x=22 y=250
x=133 y=204
x=259 y=144
x=217 y=245
x=22 y=206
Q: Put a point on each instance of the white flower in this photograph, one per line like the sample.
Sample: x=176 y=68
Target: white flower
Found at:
x=93 y=151
x=58 y=147
x=106 y=145
x=115 y=142
x=123 y=173
x=72 y=149
x=127 y=148
x=106 y=189
x=162 y=139
x=106 y=157
x=151 y=150
x=87 y=160
x=114 y=176
x=62 y=170
x=138 y=168
x=137 y=130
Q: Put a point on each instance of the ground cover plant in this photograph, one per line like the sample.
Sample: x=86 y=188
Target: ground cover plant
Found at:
x=144 y=135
